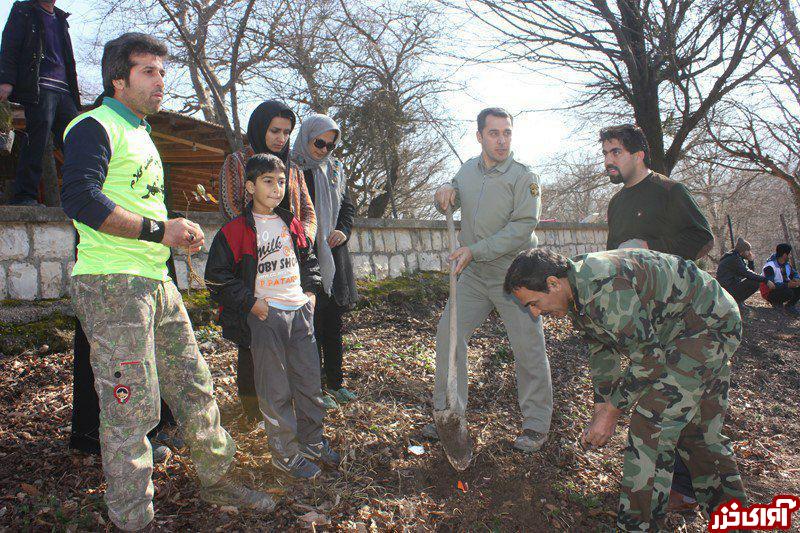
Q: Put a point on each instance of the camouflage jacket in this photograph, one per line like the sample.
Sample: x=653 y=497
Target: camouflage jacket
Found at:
x=664 y=313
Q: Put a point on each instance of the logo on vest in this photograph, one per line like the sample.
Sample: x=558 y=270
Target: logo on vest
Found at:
x=154 y=188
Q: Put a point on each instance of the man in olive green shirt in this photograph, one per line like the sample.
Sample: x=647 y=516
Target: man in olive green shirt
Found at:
x=500 y=200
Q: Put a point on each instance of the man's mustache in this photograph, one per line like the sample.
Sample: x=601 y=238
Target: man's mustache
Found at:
x=611 y=167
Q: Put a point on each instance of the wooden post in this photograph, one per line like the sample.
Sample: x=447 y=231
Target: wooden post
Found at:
x=730 y=230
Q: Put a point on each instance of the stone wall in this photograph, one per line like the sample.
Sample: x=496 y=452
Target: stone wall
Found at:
x=37 y=248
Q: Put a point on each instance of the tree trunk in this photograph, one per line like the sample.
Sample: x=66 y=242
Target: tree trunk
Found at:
x=644 y=82
x=377 y=206
x=647 y=112
x=796 y=196
x=203 y=98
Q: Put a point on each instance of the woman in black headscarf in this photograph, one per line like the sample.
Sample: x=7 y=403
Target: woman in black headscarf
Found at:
x=268 y=131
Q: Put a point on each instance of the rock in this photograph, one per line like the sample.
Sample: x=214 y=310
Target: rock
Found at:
x=23 y=281
x=313 y=518
x=362 y=266
x=397 y=266
x=381 y=263
x=54 y=242
x=50 y=279
x=13 y=242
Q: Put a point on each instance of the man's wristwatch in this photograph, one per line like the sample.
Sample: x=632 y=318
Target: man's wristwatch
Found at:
x=152 y=230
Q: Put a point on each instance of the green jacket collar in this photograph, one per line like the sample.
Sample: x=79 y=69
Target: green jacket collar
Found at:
x=123 y=111
x=501 y=168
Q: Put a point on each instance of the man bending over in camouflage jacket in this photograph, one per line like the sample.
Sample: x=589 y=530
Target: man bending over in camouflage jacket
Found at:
x=679 y=328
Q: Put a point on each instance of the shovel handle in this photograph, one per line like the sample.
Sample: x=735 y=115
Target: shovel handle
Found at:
x=451 y=367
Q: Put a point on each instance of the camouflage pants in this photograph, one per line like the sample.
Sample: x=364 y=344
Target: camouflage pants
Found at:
x=687 y=413
x=143 y=348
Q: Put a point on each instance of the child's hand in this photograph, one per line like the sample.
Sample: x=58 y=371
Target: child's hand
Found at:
x=313 y=298
x=260 y=309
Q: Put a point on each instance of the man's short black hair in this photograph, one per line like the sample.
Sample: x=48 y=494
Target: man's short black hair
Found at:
x=531 y=268
x=261 y=164
x=117 y=64
x=783 y=249
x=495 y=112
x=631 y=136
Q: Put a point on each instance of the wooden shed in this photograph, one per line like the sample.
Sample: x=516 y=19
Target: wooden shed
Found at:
x=192 y=152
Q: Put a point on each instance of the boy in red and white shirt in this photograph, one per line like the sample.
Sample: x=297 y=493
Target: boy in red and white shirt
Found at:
x=262 y=271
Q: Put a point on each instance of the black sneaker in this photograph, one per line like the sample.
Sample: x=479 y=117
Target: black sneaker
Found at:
x=229 y=492
x=297 y=466
x=321 y=452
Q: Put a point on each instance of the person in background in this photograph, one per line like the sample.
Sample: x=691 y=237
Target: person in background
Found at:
x=785 y=290
x=735 y=275
x=268 y=131
x=650 y=211
x=318 y=137
x=37 y=70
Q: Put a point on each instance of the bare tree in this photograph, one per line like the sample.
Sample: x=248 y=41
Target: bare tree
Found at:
x=389 y=107
x=761 y=132
x=366 y=64
x=215 y=42
x=668 y=61
x=574 y=189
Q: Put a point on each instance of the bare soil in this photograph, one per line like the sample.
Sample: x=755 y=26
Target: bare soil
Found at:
x=382 y=486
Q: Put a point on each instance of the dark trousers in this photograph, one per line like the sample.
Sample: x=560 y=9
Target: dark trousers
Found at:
x=246 y=385
x=287 y=378
x=52 y=113
x=85 y=434
x=742 y=289
x=681 y=479
x=784 y=296
x=328 y=331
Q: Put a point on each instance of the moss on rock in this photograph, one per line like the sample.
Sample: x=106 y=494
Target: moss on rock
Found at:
x=56 y=331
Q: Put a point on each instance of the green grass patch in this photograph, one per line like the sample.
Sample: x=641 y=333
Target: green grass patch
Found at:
x=201 y=308
x=409 y=289
x=56 y=331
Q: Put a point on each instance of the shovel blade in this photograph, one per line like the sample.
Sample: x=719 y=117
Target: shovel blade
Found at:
x=455 y=438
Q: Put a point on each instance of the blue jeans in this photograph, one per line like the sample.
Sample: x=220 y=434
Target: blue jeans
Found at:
x=52 y=113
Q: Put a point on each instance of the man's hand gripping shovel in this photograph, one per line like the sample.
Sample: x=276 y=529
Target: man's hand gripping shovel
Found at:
x=451 y=424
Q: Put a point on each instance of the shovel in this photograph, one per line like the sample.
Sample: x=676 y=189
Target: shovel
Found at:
x=450 y=423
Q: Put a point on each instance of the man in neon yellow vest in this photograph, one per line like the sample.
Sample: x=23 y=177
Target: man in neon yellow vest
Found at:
x=142 y=343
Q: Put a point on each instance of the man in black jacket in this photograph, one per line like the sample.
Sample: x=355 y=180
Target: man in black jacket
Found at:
x=735 y=276
x=650 y=211
x=37 y=70
x=654 y=212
